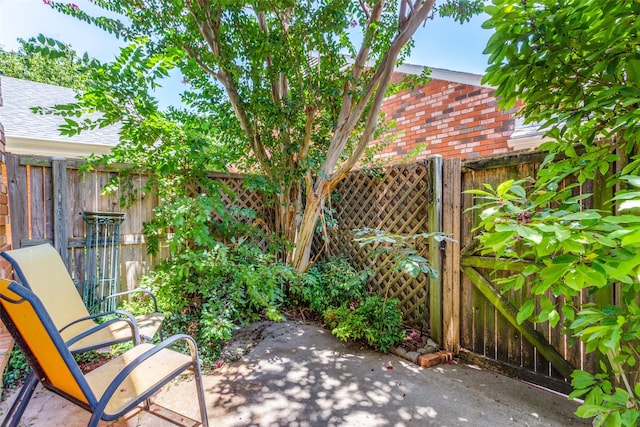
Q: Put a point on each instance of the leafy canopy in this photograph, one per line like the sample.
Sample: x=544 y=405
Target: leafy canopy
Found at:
x=46 y=60
x=575 y=66
x=288 y=89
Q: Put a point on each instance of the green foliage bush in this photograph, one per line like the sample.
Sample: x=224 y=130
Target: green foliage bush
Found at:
x=541 y=56
x=207 y=292
x=331 y=284
x=16 y=370
x=338 y=292
x=375 y=320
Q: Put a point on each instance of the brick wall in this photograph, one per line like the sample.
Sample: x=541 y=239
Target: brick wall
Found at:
x=6 y=343
x=451 y=119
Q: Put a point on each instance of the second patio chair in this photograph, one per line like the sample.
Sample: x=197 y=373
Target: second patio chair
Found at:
x=40 y=268
x=108 y=391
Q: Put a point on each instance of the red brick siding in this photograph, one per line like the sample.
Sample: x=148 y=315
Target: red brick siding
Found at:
x=452 y=119
x=6 y=343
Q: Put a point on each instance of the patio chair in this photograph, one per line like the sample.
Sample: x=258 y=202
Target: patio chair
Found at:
x=40 y=268
x=110 y=390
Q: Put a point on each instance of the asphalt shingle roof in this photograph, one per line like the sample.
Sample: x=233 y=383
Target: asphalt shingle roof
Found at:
x=19 y=96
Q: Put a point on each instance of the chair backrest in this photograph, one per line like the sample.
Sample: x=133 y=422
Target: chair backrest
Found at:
x=27 y=320
x=40 y=268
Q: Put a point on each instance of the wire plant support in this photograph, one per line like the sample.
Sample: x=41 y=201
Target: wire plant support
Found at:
x=102 y=258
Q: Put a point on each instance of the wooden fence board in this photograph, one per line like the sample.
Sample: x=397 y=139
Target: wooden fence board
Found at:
x=451 y=297
x=434 y=225
x=18 y=198
x=60 y=211
x=37 y=208
x=48 y=202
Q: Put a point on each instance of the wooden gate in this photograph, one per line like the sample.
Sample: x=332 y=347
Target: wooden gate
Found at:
x=479 y=318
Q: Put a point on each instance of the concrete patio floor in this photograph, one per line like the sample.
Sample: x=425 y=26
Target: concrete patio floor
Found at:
x=299 y=375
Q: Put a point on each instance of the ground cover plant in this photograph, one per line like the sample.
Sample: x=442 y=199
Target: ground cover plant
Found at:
x=575 y=65
x=208 y=293
x=338 y=293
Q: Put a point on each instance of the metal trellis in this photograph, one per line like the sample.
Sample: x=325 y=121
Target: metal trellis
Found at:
x=102 y=258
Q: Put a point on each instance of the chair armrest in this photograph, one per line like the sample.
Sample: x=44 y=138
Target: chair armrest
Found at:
x=118 y=294
x=125 y=317
x=122 y=375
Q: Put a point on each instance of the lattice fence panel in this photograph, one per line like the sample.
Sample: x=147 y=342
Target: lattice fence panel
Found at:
x=392 y=199
x=237 y=196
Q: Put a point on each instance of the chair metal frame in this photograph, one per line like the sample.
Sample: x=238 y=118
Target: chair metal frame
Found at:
x=59 y=372
x=108 y=319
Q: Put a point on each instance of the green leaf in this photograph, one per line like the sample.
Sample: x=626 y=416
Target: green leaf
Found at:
x=581 y=216
x=588 y=410
x=529 y=234
x=581 y=380
x=631 y=238
x=504 y=187
x=525 y=311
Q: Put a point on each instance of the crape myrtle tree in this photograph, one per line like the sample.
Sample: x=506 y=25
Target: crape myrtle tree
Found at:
x=575 y=66
x=291 y=89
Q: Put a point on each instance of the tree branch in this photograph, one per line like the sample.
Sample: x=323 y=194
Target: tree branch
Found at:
x=376 y=86
x=209 y=28
x=358 y=65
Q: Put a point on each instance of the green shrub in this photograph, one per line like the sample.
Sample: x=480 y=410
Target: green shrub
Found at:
x=338 y=292
x=16 y=370
x=206 y=293
x=375 y=320
x=330 y=285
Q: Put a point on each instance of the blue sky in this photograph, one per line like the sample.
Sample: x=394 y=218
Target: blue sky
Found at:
x=440 y=43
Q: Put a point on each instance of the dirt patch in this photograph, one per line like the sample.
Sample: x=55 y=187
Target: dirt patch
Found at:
x=244 y=340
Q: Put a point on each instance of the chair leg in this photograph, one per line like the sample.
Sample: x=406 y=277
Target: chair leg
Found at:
x=15 y=412
x=200 y=390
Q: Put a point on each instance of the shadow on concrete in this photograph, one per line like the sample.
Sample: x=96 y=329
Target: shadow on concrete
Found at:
x=299 y=375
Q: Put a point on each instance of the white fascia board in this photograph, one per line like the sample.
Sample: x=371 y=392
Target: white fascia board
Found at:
x=527 y=142
x=47 y=147
x=436 y=73
x=442 y=74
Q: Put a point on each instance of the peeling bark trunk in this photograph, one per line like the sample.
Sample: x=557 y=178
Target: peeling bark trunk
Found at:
x=286 y=216
x=302 y=251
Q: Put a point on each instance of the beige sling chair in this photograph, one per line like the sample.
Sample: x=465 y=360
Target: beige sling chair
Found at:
x=110 y=390
x=40 y=269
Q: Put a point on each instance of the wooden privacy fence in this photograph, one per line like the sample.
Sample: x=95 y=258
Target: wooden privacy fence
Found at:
x=47 y=198
x=463 y=308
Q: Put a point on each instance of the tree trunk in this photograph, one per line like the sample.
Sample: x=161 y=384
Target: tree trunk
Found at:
x=288 y=205
x=302 y=252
